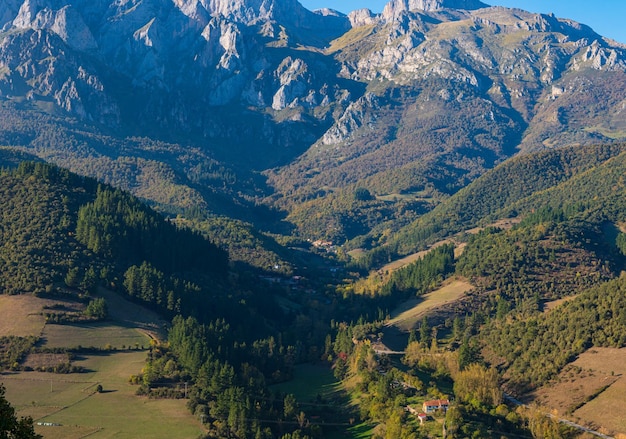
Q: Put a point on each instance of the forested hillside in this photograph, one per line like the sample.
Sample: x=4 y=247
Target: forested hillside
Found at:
x=424 y=205
x=514 y=188
x=233 y=336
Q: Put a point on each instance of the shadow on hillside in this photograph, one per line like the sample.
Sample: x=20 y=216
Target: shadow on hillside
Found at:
x=394 y=338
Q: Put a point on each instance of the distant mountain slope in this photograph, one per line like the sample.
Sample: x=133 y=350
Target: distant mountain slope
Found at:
x=518 y=187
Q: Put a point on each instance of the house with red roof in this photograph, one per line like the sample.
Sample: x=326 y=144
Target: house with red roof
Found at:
x=434 y=405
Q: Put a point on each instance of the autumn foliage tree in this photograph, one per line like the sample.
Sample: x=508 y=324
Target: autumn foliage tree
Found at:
x=478 y=386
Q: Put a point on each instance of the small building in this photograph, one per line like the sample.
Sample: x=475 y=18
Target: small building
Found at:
x=435 y=404
x=423 y=417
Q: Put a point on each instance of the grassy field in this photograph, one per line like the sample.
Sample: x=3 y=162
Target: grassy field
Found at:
x=96 y=334
x=318 y=392
x=399 y=263
x=309 y=381
x=70 y=400
x=409 y=313
x=610 y=363
x=350 y=37
x=615 y=134
x=553 y=304
x=21 y=315
x=590 y=391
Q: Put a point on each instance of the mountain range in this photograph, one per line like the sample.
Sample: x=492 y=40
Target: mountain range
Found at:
x=240 y=106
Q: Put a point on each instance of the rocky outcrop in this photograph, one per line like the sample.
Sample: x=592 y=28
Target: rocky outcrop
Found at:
x=38 y=59
x=65 y=22
x=362 y=17
x=191 y=53
x=357 y=115
x=395 y=8
x=8 y=12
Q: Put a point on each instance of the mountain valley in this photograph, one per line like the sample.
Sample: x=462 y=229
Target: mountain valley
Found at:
x=280 y=185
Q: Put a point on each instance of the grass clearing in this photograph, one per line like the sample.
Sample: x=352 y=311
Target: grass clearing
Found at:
x=589 y=386
x=357 y=253
x=21 y=315
x=408 y=196
x=614 y=134
x=71 y=400
x=132 y=315
x=552 y=304
x=94 y=334
x=406 y=316
x=65 y=431
x=611 y=363
x=397 y=264
x=38 y=360
x=321 y=396
x=361 y=431
x=44 y=392
x=352 y=36
x=309 y=380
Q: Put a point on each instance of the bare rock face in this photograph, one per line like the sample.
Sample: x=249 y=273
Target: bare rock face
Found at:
x=246 y=11
x=362 y=17
x=604 y=58
x=294 y=79
x=198 y=52
x=38 y=58
x=396 y=7
x=66 y=22
x=358 y=114
x=8 y=12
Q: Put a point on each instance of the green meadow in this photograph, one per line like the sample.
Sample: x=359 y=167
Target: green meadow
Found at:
x=69 y=403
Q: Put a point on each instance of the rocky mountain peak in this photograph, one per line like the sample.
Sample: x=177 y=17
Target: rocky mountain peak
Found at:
x=396 y=7
x=249 y=11
x=63 y=20
x=196 y=66
x=362 y=17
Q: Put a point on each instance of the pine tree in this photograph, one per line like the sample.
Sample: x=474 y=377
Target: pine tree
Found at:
x=10 y=426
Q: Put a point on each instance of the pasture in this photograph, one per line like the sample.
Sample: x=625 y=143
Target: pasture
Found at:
x=590 y=390
x=100 y=335
x=68 y=403
x=309 y=380
x=320 y=395
x=408 y=314
x=610 y=363
x=21 y=315
x=399 y=263
x=71 y=402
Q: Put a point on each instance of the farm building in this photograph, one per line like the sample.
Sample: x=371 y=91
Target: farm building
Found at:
x=435 y=404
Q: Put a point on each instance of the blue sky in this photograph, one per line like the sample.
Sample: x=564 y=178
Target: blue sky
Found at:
x=606 y=17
